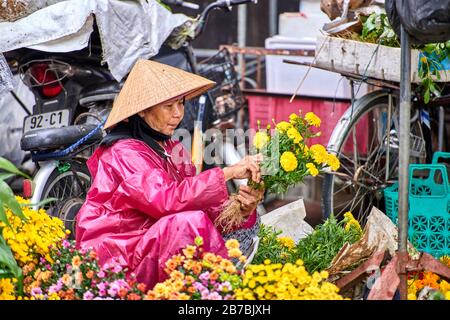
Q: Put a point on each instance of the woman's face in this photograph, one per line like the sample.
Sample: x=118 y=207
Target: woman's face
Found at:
x=164 y=118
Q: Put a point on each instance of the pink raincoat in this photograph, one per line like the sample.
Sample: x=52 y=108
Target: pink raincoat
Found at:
x=141 y=209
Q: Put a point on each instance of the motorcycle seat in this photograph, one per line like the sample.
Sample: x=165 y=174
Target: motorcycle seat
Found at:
x=58 y=138
x=100 y=92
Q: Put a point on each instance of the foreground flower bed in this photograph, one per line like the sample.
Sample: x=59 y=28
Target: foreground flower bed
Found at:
x=52 y=268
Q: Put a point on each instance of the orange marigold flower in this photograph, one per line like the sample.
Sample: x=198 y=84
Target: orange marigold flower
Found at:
x=196 y=269
x=189 y=280
x=150 y=296
x=76 y=261
x=122 y=292
x=171 y=264
x=133 y=296
x=189 y=251
x=141 y=287
x=89 y=274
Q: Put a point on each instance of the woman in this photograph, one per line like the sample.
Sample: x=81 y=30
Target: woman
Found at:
x=145 y=202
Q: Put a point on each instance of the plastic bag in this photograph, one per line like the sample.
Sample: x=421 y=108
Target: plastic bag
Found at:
x=289 y=219
x=426 y=21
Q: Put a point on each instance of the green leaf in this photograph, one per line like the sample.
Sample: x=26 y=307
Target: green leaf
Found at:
x=3 y=217
x=40 y=203
x=10 y=167
x=7 y=258
x=8 y=199
x=4 y=175
x=426 y=96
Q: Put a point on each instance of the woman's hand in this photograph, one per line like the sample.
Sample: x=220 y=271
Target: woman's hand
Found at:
x=246 y=168
x=249 y=199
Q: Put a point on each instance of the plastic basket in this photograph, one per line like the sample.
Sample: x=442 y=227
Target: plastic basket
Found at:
x=224 y=99
x=429 y=207
x=226 y=95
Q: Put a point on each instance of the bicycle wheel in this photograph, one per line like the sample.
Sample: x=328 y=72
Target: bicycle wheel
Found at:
x=70 y=188
x=366 y=143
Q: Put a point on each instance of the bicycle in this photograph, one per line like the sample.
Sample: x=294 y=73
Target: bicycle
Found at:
x=365 y=140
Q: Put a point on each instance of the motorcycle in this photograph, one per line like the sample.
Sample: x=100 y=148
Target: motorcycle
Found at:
x=74 y=95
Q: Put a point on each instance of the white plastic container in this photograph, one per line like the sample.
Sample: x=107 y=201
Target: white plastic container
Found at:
x=284 y=78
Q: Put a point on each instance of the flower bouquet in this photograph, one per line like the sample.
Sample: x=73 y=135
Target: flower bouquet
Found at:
x=287 y=160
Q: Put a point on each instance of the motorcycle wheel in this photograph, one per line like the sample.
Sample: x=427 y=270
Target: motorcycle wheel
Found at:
x=70 y=188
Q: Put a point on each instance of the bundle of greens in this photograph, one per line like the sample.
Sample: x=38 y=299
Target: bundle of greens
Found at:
x=316 y=250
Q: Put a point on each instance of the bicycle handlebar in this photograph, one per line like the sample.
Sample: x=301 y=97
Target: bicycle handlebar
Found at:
x=219 y=4
x=182 y=3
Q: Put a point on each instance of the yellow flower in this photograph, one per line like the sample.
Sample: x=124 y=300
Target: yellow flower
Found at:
x=234 y=253
x=287 y=242
x=189 y=251
x=312 y=119
x=7 y=291
x=31 y=239
x=232 y=244
x=411 y=296
x=312 y=169
x=445 y=260
x=294 y=135
x=260 y=140
x=333 y=162
x=319 y=153
x=293 y=118
x=288 y=161
x=283 y=126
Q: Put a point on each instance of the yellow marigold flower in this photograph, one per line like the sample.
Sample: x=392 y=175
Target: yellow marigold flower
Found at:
x=348 y=216
x=287 y=242
x=294 y=135
x=444 y=286
x=234 y=253
x=293 y=117
x=312 y=119
x=447 y=295
x=232 y=244
x=445 y=260
x=283 y=126
x=260 y=140
x=288 y=161
x=312 y=169
x=333 y=162
x=411 y=296
x=7 y=289
x=319 y=153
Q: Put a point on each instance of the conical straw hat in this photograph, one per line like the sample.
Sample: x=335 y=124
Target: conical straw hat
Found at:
x=152 y=83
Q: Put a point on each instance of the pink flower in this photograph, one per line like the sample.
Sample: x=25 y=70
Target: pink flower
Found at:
x=88 y=295
x=204 y=277
x=214 y=296
x=101 y=274
x=101 y=286
x=102 y=293
x=36 y=291
x=66 y=243
x=117 y=268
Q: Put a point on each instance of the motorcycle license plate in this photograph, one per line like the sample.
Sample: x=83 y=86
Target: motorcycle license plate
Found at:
x=54 y=119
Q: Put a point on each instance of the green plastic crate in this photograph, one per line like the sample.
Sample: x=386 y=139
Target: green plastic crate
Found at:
x=429 y=206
